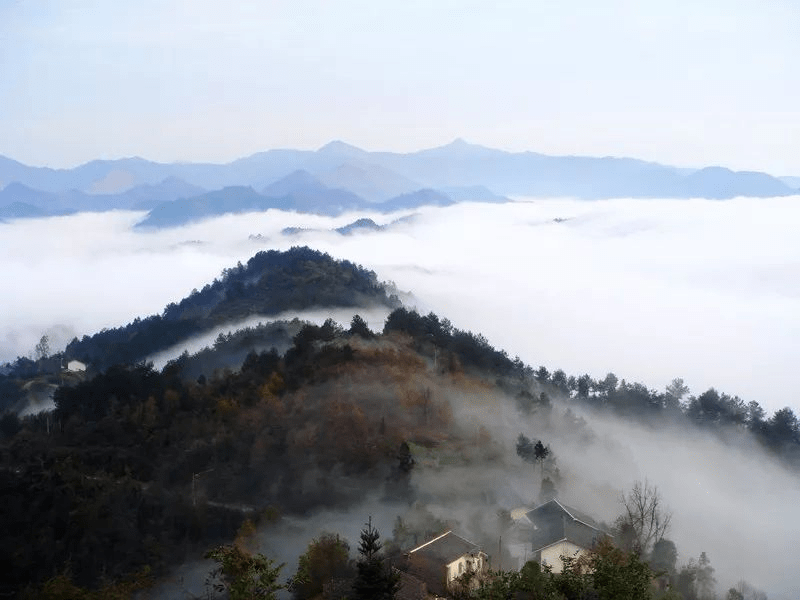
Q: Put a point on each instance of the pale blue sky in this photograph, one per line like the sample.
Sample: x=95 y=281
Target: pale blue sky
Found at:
x=680 y=82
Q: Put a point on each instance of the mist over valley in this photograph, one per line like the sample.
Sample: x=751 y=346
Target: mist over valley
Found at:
x=650 y=290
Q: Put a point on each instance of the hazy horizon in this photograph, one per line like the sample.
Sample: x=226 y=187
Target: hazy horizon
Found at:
x=510 y=148
x=685 y=83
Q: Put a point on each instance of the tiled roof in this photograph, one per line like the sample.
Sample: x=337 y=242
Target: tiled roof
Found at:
x=555 y=521
x=446 y=548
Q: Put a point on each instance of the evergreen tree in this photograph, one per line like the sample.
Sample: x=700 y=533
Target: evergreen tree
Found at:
x=405 y=458
x=540 y=453
x=375 y=580
x=358 y=326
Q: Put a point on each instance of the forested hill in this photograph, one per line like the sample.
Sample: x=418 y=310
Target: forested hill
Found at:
x=137 y=470
x=270 y=283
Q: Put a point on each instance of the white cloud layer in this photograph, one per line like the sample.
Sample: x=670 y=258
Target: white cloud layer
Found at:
x=651 y=290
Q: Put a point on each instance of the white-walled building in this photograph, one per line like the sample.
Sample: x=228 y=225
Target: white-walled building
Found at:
x=76 y=366
x=559 y=530
x=441 y=561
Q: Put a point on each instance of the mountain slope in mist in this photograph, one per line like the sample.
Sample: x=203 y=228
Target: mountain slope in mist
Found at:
x=416 y=426
x=270 y=283
x=308 y=194
x=299 y=191
x=314 y=428
x=140 y=197
x=371 y=182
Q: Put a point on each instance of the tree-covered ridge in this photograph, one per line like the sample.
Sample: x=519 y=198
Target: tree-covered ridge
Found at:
x=714 y=411
x=271 y=282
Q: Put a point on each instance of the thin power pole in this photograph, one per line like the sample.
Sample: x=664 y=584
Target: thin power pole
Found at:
x=500 y=553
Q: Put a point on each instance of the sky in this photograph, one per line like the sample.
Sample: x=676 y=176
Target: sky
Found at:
x=688 y=83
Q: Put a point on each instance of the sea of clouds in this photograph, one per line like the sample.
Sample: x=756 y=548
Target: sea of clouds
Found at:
x=649 y=289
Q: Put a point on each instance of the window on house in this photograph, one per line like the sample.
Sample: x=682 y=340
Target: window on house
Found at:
x=460 y=568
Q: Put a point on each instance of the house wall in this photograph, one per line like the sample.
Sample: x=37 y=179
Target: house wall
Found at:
x=438 y=576
x=465 y=563
x=552 y=554
x=434 y=574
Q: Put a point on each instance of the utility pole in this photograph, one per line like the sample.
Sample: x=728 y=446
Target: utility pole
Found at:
x=500 y=553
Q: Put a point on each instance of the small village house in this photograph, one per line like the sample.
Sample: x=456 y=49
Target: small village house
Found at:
x=76 y=366
x=446 y=561
x=559 y=530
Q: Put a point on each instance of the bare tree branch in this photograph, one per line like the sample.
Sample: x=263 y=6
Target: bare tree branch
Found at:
x=644 y=517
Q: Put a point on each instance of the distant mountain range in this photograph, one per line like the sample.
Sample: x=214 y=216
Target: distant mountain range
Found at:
x=339 y=177
x=18 y=200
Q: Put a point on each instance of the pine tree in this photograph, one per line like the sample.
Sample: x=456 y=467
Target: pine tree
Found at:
x=375 y=580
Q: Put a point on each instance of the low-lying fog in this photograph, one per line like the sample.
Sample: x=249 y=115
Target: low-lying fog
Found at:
x=732 y=502
x=649 y=289
x=374 y=317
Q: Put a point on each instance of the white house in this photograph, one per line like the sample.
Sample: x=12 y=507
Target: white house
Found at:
x=76 y=366
x=441 y=561
x=559 y=530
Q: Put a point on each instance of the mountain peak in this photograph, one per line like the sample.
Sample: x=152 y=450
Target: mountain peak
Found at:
x=340 y=147
x=460 y=145
x=17 y=187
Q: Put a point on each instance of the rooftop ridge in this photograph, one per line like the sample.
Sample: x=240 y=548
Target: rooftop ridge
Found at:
x=574 y=514
x=431 y=541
